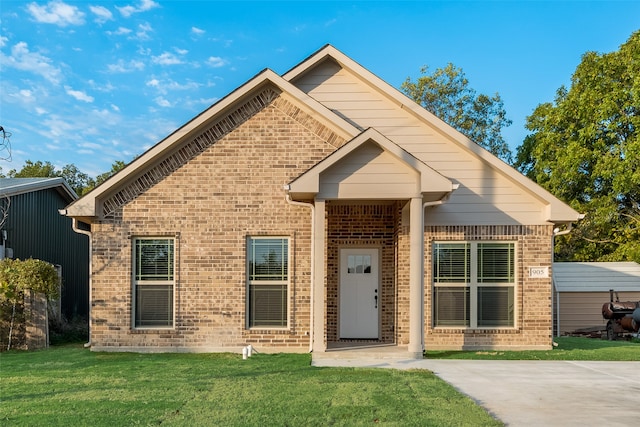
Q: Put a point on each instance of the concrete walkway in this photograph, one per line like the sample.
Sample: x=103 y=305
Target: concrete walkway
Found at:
x=535 y=393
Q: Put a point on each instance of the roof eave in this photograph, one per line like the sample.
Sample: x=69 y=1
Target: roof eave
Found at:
x=559 y=212
x=87 y=206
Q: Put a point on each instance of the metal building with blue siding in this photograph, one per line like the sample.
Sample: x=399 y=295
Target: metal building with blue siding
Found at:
x=31 y=226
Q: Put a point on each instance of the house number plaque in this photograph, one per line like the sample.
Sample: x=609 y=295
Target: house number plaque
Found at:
x=538 y=272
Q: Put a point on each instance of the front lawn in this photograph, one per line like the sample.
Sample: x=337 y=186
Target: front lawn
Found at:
x=569 y=348
x=71 y=386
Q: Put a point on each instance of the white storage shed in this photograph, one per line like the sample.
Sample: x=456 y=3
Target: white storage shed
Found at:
x=581 y=288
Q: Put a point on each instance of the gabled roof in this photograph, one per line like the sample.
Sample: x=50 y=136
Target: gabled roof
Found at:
x=87 y=206
x=558 y=211
x=596 y=276
x=431 y=182
x=15 y=186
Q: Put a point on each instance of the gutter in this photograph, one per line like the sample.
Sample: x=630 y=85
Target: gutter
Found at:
x=443 y=200
x=313 y=263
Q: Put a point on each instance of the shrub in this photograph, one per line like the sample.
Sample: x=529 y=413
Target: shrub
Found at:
x=16 y=278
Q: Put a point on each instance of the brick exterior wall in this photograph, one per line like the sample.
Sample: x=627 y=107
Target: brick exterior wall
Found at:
x=533 y=329
x=210 y=204
x=227 y=184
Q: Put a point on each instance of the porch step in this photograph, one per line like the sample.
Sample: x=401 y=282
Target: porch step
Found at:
x=362 y=356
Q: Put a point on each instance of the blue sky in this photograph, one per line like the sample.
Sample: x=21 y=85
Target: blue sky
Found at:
x=92 y=82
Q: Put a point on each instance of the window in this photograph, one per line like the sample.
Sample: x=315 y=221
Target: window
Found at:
x=153 y=282
x=359 y=264
x=474 y=284
x=268 y=277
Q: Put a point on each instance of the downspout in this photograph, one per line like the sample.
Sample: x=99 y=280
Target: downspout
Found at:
x=555 y=296
x=313 y=213
x=75 y=228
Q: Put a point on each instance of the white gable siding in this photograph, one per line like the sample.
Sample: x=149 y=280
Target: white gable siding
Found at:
x=369 y=172
x=484 y=196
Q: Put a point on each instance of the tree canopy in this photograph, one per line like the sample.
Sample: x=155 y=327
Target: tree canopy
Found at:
x=446 y=93
x=585 y=148
x=79 y=181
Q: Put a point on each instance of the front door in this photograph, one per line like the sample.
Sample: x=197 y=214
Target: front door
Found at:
x=359 y=293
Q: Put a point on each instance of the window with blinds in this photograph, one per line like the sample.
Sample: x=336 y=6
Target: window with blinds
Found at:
x=153 y=282
x=268 y=277
x=474 y=284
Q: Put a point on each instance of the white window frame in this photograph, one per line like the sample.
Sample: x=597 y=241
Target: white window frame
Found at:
x=251 y=283
x=136 y=283
x=472 y=283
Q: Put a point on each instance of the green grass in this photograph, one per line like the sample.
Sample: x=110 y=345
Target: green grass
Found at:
x=70 y=385
x=569 y=348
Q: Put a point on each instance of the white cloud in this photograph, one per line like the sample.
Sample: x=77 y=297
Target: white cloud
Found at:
x=200 y=102
x=144 y=51
x=115 y=108
x=143 y=31
x=3 y=41
x=26 y=93
x=104 y=87
x=162 y=102
x=121 y=31
x=102 y=14
x=143 y=6
x=125 y=67
x=216 y=62
x=165 y=86
x=330 y=22
x=22 y=58
x=79 y=95
x=56 y=12
x=197 y=31
x=40 y=111
x=166 y=58
x=181 y=51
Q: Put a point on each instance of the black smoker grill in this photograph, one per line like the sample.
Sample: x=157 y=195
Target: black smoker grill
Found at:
x=623 y=316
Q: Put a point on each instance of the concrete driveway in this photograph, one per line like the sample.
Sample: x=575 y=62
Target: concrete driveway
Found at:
x=537 y=393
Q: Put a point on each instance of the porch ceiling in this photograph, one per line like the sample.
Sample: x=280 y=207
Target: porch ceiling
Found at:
x=370 y=167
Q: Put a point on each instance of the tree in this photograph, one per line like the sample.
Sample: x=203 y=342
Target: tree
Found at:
x=117 y=166
x=585 y=148
x=446 y=94
x=77 y=180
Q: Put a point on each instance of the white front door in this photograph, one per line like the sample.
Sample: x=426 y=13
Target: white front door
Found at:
x=359 y=293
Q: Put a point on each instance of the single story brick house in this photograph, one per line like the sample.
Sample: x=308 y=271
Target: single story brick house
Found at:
x=315 y=209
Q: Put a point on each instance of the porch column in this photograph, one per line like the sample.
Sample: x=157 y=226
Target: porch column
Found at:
x=416 y=278
x=319 y=245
